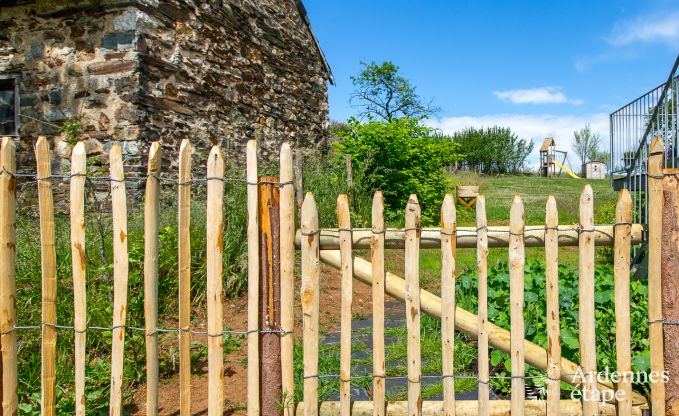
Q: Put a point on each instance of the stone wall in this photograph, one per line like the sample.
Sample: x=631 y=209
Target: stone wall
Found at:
x=138 y=71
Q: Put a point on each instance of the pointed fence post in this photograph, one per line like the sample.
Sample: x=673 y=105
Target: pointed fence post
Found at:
x=655 y=317
x=48 y=263
x=482 y=283
x=412 y=301
x=587 y=332
x=309 y=293
x=516 y=298
x=8 y=276
x=377 y=270
x=214 y=259
x=184 y=260
x=78 y=270
x=623 y=220
x=120 y=276
x=552 y=307
x=151 y=218
x=253 y=280
x=448 y=251
x=287 y=299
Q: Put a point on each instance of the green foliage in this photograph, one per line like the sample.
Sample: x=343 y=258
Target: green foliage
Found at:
x=100 y=294
x=396 y=361
x=493 y=149
x=401 y=157
x=71 y=129
x=536 y=321
x=383 y=92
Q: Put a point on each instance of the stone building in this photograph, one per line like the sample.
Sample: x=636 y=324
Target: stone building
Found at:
x=136 y=71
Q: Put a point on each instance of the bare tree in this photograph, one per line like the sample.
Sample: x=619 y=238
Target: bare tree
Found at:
x=586 y=144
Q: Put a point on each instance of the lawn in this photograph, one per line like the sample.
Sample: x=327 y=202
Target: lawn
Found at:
x=499 y=192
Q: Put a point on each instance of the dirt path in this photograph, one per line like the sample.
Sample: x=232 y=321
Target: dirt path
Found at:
x=235 y=373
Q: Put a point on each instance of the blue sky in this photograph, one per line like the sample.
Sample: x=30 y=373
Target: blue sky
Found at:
x=540 y=67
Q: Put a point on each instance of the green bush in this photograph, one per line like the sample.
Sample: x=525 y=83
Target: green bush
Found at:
x=493 y=150
x=401 y=157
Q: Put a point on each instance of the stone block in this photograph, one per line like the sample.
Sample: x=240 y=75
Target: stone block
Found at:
x=106 y=68
x=118 y=40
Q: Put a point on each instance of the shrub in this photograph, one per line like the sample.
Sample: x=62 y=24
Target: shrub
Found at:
x=493 y=150
x=401 y=157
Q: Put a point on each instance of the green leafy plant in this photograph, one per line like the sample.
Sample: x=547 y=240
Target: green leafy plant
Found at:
x=71 y=129
x=536 y=320
x=402 y=157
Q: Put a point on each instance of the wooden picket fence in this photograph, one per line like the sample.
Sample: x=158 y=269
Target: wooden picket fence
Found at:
x=334 y=247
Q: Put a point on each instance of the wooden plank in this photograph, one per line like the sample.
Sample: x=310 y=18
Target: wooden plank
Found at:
x=448 y=248
x=287 y=236
x=655 y=328
x=623 y=217
x=463 y=408
x=120 y=275
x=347 y=272
x=498 y=236
x=253 y=280
x=482 y=283
x=377 y=259
x=48 y=263
x=78 y=269
x=309 y=293
x=151 y=218
x=552 y=307
x=213 y=253
x=184 y=260
x=270 y=389
x=412 y=301
x=516 y=297
x=8 y=276
x=587 y=332
x=467 y=322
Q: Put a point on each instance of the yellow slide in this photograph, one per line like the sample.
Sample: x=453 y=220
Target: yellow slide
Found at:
x=568 y=171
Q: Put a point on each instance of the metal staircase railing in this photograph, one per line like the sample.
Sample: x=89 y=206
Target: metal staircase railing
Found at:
x=632 y=128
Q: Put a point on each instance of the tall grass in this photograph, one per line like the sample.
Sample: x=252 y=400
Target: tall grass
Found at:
x=322 y=175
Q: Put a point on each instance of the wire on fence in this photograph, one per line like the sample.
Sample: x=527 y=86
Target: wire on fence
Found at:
x=139 y=179
x=279 y=331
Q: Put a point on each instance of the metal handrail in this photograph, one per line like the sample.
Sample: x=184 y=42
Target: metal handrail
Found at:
x=656 y=109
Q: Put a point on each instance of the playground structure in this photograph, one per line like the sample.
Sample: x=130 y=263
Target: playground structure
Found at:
x=549 y=162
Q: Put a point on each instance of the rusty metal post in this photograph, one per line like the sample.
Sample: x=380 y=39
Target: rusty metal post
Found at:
x=269 y=296
x=670 y=290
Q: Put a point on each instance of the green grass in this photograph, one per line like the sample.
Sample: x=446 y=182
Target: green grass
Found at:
x=499 y=192
x=395 y=356
x=534 y=190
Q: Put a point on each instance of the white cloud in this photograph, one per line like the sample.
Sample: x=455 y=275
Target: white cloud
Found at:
x=646 y=29
x=535 y=128
x=541 y=95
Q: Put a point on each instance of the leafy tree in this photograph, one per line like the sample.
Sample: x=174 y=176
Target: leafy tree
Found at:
x=586 y=144
x=493 y=149
x=381 y=91
x=402 y=157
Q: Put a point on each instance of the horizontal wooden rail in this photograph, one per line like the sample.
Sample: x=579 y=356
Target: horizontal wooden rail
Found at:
x=463 y=408
x=498 y=236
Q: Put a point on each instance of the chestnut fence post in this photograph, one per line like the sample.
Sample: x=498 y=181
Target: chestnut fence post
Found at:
x=269 y=296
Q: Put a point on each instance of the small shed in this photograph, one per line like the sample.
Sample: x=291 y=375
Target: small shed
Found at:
x=594 y=170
